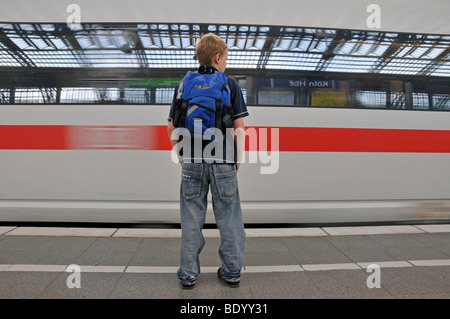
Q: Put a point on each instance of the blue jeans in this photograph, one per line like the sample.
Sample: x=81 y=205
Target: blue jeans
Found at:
x=195 y=182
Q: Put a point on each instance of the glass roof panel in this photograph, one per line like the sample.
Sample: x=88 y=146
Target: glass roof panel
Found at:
x=293 y=61
x=350 y=64
x=21 y=43
x=7 y=60
x=242 y=60
x=173 y=46
x=53 y=59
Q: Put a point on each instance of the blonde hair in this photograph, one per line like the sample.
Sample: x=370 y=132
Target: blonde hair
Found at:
x=208 y=46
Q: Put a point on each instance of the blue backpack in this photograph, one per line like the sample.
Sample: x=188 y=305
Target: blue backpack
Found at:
x=203 y=99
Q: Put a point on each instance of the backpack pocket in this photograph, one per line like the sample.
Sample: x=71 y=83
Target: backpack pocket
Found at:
x=199 y=118
x=227 y=118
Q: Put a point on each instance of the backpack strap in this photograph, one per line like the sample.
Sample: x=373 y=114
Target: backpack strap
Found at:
x=219 y=114
x=183 y=111
x=180 y=106
x=227 y=115
x=225 y=86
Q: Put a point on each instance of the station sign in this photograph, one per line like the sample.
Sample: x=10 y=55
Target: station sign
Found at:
x=301 y=83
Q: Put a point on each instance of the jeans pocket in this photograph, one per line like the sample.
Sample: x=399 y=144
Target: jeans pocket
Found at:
x=191 y=180
x=226 y=181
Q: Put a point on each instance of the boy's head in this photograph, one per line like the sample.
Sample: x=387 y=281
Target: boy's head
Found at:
x=211 y=49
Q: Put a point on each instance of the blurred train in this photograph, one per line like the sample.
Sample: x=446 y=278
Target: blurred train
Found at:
x=112 y=164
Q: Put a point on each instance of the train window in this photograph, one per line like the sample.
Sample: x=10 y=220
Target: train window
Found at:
x=78 y=95
x=275 y=65
x=441 y=101
x=137 y=95
x=164 y=95
x=88 y=95
x=420 y=101
x=371 y=99
x=4 y=95
x=35 y=95
x=276 y=97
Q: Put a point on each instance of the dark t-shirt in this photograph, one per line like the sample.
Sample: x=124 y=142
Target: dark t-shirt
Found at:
x=240 y=110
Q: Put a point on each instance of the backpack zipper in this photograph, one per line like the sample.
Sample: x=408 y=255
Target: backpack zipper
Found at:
x=205 y=107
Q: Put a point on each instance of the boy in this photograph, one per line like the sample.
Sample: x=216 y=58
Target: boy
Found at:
x=198 y=177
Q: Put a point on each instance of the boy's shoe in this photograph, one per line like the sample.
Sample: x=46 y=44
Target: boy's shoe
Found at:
x=187 y=286
x=231 y=284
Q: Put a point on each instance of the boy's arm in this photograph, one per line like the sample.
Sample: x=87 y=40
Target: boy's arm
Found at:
x=170 y=129
x=170 y=119
x=239 y=132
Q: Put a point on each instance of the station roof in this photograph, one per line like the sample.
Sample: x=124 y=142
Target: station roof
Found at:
x=169 y=46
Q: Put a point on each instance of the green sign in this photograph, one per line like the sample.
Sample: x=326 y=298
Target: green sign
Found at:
x=152 y=82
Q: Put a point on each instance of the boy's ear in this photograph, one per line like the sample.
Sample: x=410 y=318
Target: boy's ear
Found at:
x=216 y=58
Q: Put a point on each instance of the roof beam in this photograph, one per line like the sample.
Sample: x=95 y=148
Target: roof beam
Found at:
x=433 y=65
x=15 y=51
x=69 y=39
x=329 y=53
x=272 y=36
x=391 y=52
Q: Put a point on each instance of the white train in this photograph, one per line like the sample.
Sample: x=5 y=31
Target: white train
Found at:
x=112 y=164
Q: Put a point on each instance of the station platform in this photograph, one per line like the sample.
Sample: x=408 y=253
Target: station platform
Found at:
x=372 y=262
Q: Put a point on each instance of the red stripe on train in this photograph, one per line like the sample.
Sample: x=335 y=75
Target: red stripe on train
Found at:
x=32 y=137
x=284 y=139
x=303 y=139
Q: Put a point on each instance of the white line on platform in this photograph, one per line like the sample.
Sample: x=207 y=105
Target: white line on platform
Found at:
x=343 y=266
x=102 y=269
x=4 y=267
x=442 y=228
x=212 y=269
x=61 y=231
x=5 y=229
x=147 y=233
x=386 y=264
x=372 y=230
x=274 y=268
x=214 y=233
x=38 y=268
x=151 y=269
x=438 y=262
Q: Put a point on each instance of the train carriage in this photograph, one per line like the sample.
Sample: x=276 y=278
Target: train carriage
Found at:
x=349 y=122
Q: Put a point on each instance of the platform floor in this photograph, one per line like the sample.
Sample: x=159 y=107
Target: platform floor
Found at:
x=292 y=263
